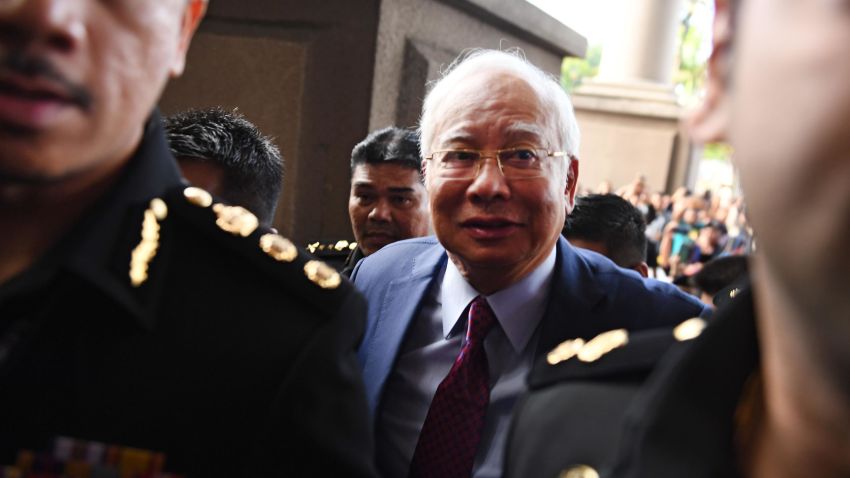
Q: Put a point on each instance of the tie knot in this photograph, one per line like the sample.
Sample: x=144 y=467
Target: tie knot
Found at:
x=481 y=320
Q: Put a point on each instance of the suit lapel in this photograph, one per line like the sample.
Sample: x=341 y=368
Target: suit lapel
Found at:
x=574 y=293
x=401 y=303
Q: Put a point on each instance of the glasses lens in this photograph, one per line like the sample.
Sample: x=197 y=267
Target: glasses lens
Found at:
x=520 y=162
x=459 y=159
x=457 y=163
x=514 y=162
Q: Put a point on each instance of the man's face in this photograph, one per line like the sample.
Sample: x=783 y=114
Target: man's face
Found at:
x=78 y=79
x=387 y=204
x=508 y=226
x=790 y=127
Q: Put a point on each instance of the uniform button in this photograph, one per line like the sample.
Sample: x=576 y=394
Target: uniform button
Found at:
x=160 y=210
x=689 y=329
x=734 y=293
x=278 y=247
x=236 y=220
x=579 y=471
x=322 y=274
x=198 y=196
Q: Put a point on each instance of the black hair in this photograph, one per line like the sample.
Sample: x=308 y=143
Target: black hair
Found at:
x=612 y=221
x=391 y=144
x=719 y=273
x=252 y=163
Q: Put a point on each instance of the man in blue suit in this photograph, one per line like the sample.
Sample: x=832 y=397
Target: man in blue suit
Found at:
x=457 y=321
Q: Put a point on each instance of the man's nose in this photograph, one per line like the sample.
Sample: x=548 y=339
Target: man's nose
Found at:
x=43 y=25
x=381 y=212
x=490 y=182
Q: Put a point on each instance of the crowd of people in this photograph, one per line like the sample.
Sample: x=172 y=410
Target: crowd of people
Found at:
x=488 y=321
x=686 y=231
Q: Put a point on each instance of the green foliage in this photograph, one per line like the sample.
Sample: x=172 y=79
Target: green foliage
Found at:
x=691 y=74
x=575 y=70
x=688 y=79
x=717 y=151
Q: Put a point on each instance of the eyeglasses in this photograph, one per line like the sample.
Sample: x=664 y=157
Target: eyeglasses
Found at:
x=514 y=163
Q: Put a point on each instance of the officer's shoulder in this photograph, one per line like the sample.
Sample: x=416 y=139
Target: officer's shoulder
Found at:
x=224 y=232
x=613 y=355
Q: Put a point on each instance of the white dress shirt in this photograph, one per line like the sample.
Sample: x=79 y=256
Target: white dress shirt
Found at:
x=429 y=350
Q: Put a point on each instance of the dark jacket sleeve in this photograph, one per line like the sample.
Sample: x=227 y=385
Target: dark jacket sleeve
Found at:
x=325 y=399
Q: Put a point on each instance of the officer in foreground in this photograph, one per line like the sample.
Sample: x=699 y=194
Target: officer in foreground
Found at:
x=135 y=313
x=764 y=391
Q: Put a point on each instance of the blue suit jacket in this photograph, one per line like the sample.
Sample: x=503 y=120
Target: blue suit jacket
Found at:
x=589 y=295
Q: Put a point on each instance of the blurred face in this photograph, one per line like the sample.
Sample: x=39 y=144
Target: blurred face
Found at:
x=790 y=127
x=78 y=78
x=387 y=204
x=490 y=224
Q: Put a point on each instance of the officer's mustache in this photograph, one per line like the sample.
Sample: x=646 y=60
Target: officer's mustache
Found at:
x=23 y=64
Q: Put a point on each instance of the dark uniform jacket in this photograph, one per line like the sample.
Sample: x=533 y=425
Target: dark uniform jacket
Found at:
x=234 y=356
x=661 y=405
x=684 y=423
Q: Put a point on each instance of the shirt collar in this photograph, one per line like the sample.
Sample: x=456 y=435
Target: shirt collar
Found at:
x=518 y=308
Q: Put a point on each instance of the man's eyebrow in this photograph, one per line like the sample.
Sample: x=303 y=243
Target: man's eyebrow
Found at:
x=459 y=137
x=400 y=189
x=363 y=184
x=524 y=131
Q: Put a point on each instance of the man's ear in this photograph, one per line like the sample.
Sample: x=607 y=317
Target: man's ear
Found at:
x=192 y=15
x=710 y=122
x=572 y=183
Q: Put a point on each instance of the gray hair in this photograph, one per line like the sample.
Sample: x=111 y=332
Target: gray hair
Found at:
x=553 y=97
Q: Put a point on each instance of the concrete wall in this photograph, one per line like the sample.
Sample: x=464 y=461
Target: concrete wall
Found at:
x=618 y=147
x=417 y=39
x=302 y=71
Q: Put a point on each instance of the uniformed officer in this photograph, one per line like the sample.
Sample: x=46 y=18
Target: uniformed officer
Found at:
x=387 y=200
x=764 y=390
x=138 y=312
x=570 y=422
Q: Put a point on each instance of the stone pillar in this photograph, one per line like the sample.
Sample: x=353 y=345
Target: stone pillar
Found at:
x=643 y=47
x=629 y=114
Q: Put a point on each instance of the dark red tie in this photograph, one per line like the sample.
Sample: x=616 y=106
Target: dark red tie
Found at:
x=452 y=429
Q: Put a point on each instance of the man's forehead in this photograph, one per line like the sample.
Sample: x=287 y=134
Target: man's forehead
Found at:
x=469 y=132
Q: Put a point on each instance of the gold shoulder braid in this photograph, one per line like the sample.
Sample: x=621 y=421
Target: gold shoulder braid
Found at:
x=322 y=274
x=278 y=247
x=144 y=253
x=235 y=219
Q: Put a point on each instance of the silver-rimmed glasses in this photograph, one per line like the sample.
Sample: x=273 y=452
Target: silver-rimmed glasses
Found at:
x=514 y=163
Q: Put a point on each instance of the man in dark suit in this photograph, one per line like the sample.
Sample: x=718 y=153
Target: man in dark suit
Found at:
x=137 y=313
x=456 y=322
